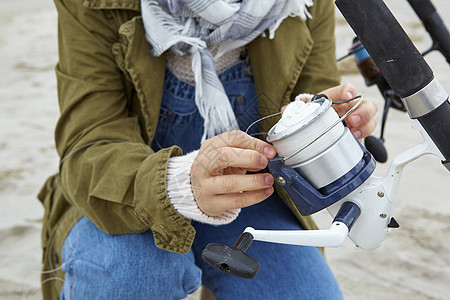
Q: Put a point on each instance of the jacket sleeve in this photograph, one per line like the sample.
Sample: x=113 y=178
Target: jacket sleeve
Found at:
x=107 y=170
x=320 y=71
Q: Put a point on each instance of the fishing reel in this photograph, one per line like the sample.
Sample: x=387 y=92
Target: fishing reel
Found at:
x=321 y=165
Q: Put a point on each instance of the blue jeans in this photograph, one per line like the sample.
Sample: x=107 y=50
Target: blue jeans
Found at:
x=102 y=266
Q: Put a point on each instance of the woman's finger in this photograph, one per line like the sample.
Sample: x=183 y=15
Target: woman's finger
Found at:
x=238 y=139
x=341 y=93
x=213 y=163
x=362 y=114
x=235 y=183
x=221 y=203
x=364 y=130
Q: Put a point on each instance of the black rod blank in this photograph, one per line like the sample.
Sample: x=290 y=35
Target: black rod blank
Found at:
x=434 y=25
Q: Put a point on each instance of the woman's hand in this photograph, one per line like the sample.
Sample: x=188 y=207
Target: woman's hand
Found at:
x=361 y=121
x=218 y=175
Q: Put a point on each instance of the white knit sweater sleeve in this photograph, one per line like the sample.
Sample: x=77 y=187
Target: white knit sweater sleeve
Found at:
x=181 y=196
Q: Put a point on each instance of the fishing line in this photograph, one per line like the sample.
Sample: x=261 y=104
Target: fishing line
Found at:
x=263 y=118
x=50 y=271
x=53 y=278
x=346 y=101
x=32 y=291
x=49 y=257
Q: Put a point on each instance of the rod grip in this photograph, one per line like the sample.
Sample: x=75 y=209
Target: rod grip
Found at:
x=423 y=8
x=434 y=25
x=395 y=55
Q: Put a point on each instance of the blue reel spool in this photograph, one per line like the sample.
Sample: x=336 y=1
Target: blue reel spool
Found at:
x=365 y=64
x=307 y=198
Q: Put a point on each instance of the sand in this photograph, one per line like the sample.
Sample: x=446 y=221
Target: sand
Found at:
x=413 y=262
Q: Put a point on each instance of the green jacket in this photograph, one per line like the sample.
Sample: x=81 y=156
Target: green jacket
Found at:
x=109 y=89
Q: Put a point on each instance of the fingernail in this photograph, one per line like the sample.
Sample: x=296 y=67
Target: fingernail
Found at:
x=269 y=191
x=263 y=161
x=356 y=120
x=357 y=134
x=349 y=95
x=269 y=151
x=269 y=179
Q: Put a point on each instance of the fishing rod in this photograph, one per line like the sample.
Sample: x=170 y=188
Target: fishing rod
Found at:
x=321 y=165
x=434 y=25
x=401 y=64
x=440 y=36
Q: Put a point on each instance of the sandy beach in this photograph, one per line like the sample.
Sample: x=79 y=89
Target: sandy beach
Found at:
x=413 y=262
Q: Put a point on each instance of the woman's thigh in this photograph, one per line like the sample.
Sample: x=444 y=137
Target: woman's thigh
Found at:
x=287 y=272
x=102 y=266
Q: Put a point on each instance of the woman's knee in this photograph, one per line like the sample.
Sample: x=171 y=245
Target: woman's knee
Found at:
x=124 y=266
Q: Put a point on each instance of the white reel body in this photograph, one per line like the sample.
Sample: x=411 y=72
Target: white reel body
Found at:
x=324 y=167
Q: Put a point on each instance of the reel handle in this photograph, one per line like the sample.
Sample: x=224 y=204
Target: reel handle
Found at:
x=232 y=259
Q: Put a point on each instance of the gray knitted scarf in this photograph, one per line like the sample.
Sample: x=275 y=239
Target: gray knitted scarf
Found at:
x=188 y=27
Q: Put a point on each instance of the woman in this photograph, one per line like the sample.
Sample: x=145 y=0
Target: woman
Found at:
x=151 y=162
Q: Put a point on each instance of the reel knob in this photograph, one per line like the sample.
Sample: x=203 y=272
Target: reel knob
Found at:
x=232 y=259
x=376 y=148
